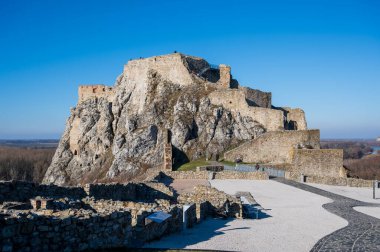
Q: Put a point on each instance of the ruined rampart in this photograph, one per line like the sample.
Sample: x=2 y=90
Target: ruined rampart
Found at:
x=86 y=92
x=257 y=98
x=234 y=99
x=274 y=147
x=295 y=119
x=100 y=216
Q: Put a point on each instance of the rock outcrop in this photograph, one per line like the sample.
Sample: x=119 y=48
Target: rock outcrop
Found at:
x=116 y=133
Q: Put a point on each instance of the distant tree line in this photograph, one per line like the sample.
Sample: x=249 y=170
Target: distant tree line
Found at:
x=24 y=163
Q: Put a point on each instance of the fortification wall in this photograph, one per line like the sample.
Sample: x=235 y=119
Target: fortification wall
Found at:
x=295 y=119
x=274 y=147
x=172 y=67
x=95 y=91
x=320 y=163
x=234 y=99
x=258 y=98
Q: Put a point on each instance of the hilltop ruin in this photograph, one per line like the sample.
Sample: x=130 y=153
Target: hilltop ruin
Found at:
x=167 y=110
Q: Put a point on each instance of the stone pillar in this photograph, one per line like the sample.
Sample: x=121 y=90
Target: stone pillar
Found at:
x=225 y=76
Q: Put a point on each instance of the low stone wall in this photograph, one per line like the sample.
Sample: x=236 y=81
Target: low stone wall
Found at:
x=257 y=175
x=105 y=216
x=84 y=230
x=22 y=191
x=112 y=191
x=65 y=233
x=214 y=168
x=210 y=200
x=352 y=182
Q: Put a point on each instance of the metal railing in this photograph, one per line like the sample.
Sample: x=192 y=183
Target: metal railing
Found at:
x=272 y=172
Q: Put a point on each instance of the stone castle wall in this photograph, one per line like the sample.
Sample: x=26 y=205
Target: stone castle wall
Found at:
x=295 y=119
x=94 y=91
x=257 y=98
x=235 y=100
x=274 y=147
x=321 y=163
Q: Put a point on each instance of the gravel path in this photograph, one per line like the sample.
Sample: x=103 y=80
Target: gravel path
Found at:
x=362 y=232
x=288 y=225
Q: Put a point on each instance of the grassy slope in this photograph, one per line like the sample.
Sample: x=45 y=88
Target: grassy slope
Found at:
x=192 y=165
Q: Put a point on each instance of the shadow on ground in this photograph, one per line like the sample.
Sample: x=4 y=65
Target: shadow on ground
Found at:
x=204 y=231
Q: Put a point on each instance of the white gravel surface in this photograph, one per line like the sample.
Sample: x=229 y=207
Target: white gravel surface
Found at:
x=364 y=194
x=372 y=211
x=295 y=222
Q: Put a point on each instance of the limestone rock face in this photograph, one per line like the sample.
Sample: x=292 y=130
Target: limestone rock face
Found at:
x=116 y=134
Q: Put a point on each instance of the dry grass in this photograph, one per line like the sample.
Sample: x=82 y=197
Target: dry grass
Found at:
x=24 y=163
x=365 y=168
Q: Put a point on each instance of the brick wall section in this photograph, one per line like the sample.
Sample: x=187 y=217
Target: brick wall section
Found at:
x=274 y=147
x=322 y=162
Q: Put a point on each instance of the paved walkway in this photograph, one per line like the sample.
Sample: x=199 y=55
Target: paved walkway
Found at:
x=362 y=232
x=364 y=194
x=287 y=225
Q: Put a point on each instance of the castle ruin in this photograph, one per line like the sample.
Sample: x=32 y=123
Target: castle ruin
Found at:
x=149 y=100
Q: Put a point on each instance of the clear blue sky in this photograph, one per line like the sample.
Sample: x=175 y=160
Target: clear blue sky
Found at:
x=320 y=55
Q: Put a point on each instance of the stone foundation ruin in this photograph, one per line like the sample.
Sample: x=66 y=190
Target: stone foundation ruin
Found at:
x=51 y=218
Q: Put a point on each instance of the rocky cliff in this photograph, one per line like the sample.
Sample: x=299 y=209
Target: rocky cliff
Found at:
x=116 y=133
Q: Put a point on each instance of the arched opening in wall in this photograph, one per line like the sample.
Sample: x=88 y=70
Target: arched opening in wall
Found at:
x=230 y=102
x=94 y=90
x=75 y=152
